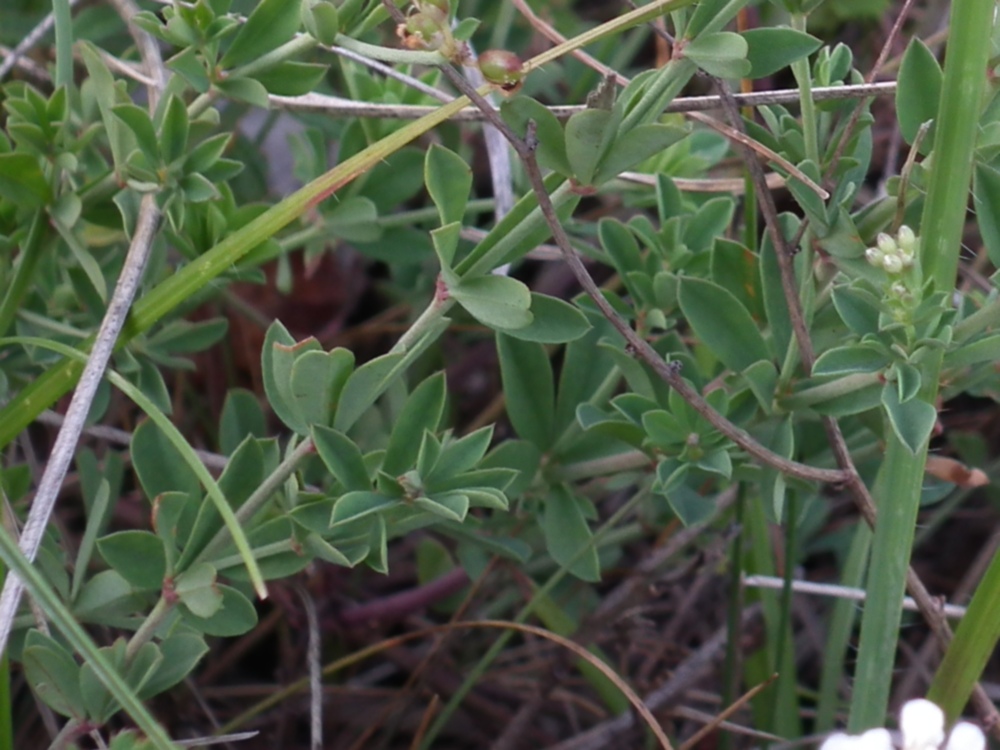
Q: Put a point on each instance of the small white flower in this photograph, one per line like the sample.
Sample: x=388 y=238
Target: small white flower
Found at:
x=922 y=725
x=966 y=736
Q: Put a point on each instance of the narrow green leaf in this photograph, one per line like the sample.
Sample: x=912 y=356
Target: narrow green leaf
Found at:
x=986 y=193
x=568 y=537
x=554 y=322
x=292 y=78
x=52 y=674
x=174 y=130
x=343 y=458
x=449 y=180
x=421 y=413
x=641 y=142
x=773 y=49
x=586 y=132
x=529 y=387
x=918 y=90
x=722 y=323
x=722 y=54
x=271 y=24
x=364 y=386
x=551 y=143
x=22 y=181
x=137 y=120
x=847 y=359
x=912 y=421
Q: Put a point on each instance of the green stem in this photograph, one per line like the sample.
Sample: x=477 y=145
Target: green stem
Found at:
x=803 y=77
x=897 y=493
x=148 y=628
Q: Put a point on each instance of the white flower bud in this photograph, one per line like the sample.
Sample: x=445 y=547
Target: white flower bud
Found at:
x=892 y=263
x=906 y=257
x=922 y=725
x=874 y=256
x=906 y=239
x=886 y=243
x=898 y=289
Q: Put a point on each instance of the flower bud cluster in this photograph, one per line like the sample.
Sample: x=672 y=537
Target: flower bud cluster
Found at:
x=893 y=255
x=427 y=27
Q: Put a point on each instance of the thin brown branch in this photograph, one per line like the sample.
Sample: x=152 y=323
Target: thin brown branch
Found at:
x=669 y=372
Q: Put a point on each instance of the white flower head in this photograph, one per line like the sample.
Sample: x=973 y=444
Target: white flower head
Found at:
x=922 y=725
x=874 y=256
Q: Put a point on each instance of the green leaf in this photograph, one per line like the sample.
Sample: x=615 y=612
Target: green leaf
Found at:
x=278 y=355
x=22 y=181
x=343 y=458
x=160 y=467
x=292 y=78
x=722 y=323
x=234 y=616
x=499 y=302
x=986 y=193
x=196 y=588
x=138 y=557
x=986 y=349
x=449 y=180
x=241 y=416
x=908 y=381
x=174 y=131
x=551 y=151
x=364 y=386
x=568 y=537
x=858 y=308
x=555 y=322
x=773 y=49
x=452 y=506
x=851 y=358
x=586 y=136
x=137 y=120
x=271 y=24
x=529 y=389
x=918 y=91
x=445 y=240
x=356 y=505
x=321 y=20
x=318 y=378
x=421 y=413
x=641 y=142
x=105 y=597
x=912 y=421
x=53 y=674
x=722 y=54
x=247 y=90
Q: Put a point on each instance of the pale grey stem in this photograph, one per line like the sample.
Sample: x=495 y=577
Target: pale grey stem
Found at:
x=313 y=656
x=336 y=106
x=83 y=397
x=29 y=41
x=840 y=592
